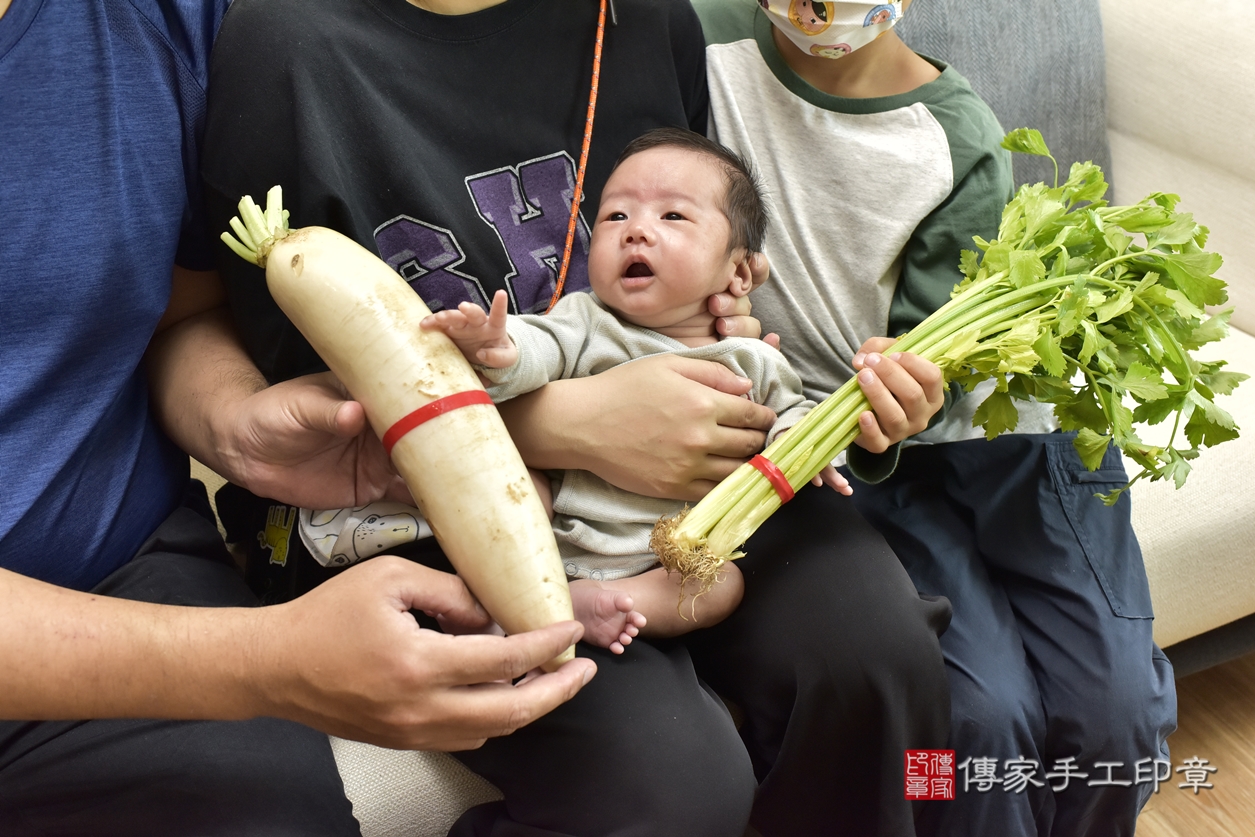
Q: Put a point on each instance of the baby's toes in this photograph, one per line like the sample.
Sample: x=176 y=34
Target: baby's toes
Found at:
x=623 y=603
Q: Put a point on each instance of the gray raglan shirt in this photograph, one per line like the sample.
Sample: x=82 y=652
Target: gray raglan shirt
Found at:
x=873 y=201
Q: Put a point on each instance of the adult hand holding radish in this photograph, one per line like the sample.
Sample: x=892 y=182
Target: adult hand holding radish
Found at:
x=308 y=443
x=376 y=676
x=303 y=441
x=371 y=674
x=426 y=404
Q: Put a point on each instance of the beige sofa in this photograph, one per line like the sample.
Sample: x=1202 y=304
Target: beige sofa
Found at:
x=1180 y=118
x=1180 y=110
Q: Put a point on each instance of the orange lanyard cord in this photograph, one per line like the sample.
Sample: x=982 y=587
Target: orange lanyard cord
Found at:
x=579 y=176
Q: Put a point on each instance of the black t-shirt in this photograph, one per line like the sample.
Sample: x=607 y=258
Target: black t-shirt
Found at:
x=446 y=144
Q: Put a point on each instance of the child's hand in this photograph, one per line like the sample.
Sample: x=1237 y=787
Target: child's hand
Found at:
x=481 y=337
x=832 y=478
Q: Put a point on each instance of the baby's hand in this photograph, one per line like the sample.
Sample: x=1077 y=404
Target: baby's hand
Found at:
x=832 y=478
x=481 y=337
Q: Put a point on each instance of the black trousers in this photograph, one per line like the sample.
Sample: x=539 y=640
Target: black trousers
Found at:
x=162 y=778
x=832 y=660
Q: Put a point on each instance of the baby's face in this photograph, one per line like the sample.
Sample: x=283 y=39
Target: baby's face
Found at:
x=660 y=243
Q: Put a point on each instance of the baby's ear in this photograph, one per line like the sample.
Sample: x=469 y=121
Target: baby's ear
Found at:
x=742 y=277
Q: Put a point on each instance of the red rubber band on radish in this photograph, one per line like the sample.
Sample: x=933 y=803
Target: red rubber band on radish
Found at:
x=429 y=411
x=774 y=476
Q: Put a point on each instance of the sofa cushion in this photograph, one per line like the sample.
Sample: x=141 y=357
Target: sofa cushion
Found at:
x=1181 y=116
x=399 y=793
x=1197 y=540
x=1037 y=65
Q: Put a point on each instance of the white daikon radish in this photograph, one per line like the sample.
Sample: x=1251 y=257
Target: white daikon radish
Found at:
x=455 y=454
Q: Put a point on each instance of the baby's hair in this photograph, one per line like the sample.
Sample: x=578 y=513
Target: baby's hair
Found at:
x=743 y=201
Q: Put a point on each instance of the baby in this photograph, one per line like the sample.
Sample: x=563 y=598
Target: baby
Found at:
x=679 y=218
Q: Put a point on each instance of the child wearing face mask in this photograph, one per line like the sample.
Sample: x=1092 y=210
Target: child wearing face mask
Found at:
x=884 y=165
x=679 y=218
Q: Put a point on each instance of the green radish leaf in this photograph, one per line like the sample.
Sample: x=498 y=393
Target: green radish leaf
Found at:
x=996 y=414
x=1144 y=383
x=1091 y=447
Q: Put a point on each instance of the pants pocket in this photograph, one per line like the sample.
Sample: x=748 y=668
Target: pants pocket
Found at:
x=1104 y=532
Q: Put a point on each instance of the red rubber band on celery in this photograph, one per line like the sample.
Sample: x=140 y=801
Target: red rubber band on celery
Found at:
x=429 y=411
x=774 y=476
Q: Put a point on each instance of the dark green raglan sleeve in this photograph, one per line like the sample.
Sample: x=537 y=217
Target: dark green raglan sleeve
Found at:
x=982 y=187
x=726 y=21
x=930 y=260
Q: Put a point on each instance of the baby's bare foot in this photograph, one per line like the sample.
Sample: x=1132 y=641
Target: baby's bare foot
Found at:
x=607 y=615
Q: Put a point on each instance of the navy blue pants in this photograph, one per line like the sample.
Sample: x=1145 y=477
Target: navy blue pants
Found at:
x=1049 y=652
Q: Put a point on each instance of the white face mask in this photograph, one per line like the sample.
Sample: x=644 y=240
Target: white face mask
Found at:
x=832 y=28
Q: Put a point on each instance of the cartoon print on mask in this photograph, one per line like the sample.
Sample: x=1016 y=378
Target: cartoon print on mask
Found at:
x=831 y=50
x=880 y=14
x=811 y=16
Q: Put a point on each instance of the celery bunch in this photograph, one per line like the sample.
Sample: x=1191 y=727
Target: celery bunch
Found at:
x=1089 y=307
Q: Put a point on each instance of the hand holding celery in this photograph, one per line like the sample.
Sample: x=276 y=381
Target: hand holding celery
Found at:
x=1076 y=303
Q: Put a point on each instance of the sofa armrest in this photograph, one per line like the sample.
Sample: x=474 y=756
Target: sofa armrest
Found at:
x=1198 y=541
x=1181 y=116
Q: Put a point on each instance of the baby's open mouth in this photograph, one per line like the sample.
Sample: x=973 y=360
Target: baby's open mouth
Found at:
x=638 y=269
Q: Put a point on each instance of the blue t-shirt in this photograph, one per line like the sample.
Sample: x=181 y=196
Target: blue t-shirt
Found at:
x=101 y=110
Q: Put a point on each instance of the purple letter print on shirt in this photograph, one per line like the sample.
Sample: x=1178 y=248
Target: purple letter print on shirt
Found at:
x=425 y=256
x=529 y=207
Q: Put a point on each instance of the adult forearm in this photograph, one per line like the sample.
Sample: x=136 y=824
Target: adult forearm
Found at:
x=71 y=655
x=663 y=426
x=548 y=425
x=198 y=371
